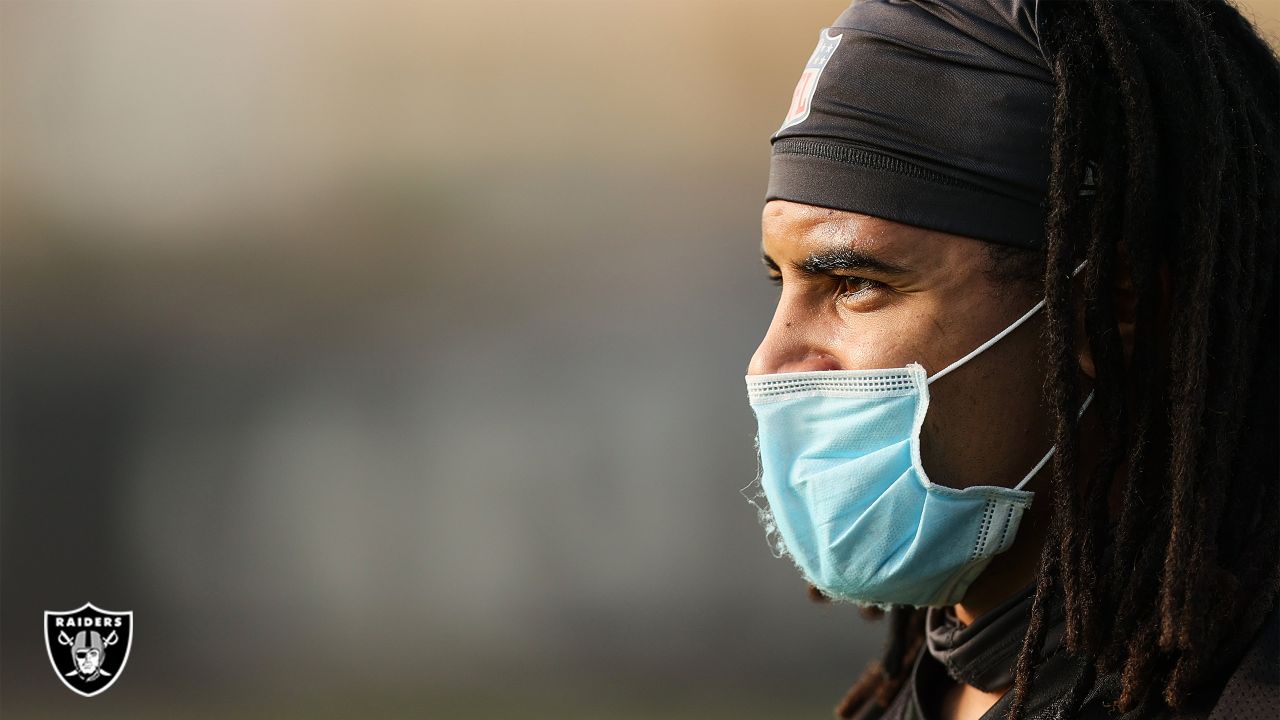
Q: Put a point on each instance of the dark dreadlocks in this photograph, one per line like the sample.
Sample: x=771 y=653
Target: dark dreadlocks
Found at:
x=1178 y=99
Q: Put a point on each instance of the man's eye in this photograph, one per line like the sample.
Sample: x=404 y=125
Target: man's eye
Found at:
x=775 y=279
x=851 y=287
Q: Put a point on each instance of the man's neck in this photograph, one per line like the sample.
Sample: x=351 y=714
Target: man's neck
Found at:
x=965 y=702
x=1006 y=575
x=1009 y=573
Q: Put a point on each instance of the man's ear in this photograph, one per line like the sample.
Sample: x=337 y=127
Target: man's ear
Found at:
x=1124 y=303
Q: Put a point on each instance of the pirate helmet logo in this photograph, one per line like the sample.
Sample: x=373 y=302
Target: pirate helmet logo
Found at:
x=88 y=647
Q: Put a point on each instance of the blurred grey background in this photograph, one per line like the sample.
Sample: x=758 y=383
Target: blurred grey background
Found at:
x=385 y=358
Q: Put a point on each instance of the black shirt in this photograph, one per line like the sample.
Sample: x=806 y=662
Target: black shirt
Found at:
x=983 y=655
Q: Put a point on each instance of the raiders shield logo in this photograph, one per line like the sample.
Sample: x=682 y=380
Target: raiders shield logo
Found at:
x=88 y=646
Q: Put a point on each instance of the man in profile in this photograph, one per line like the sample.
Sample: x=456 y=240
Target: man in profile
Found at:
x=1020 y=389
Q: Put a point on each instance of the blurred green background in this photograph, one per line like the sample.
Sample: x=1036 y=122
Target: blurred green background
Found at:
x=385 y=358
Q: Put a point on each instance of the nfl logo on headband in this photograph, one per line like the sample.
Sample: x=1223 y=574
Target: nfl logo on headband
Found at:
x=803 y=96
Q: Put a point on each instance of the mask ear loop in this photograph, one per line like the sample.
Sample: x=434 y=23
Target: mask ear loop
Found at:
x=999 y=336
x=1049 y=454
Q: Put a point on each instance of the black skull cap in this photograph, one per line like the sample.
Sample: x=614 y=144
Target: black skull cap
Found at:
x=933 y=113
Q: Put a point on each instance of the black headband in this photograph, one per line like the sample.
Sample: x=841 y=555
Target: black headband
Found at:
x=932 y=113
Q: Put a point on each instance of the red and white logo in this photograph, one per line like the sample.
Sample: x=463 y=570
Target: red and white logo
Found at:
x=802 y=99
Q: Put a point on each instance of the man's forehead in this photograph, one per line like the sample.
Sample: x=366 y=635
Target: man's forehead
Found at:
x=806 y=228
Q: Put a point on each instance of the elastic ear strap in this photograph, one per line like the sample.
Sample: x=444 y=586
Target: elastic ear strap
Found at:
x=999 y=336
x=1049 y=454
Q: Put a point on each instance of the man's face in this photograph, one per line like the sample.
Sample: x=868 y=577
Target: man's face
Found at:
x=860 y=292
x=87 y=660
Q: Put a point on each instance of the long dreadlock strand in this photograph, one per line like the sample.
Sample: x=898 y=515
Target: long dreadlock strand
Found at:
x=1176 y=101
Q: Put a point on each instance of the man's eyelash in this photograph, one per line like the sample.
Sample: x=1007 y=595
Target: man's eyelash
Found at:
x=862 y=284
x=867 y=283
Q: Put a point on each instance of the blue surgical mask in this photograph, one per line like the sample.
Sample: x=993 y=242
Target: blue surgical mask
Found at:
x=849 y=498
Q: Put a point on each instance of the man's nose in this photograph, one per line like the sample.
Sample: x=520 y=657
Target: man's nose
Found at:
x=787 y=347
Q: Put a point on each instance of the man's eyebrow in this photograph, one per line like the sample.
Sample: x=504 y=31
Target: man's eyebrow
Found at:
x=846 y=259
